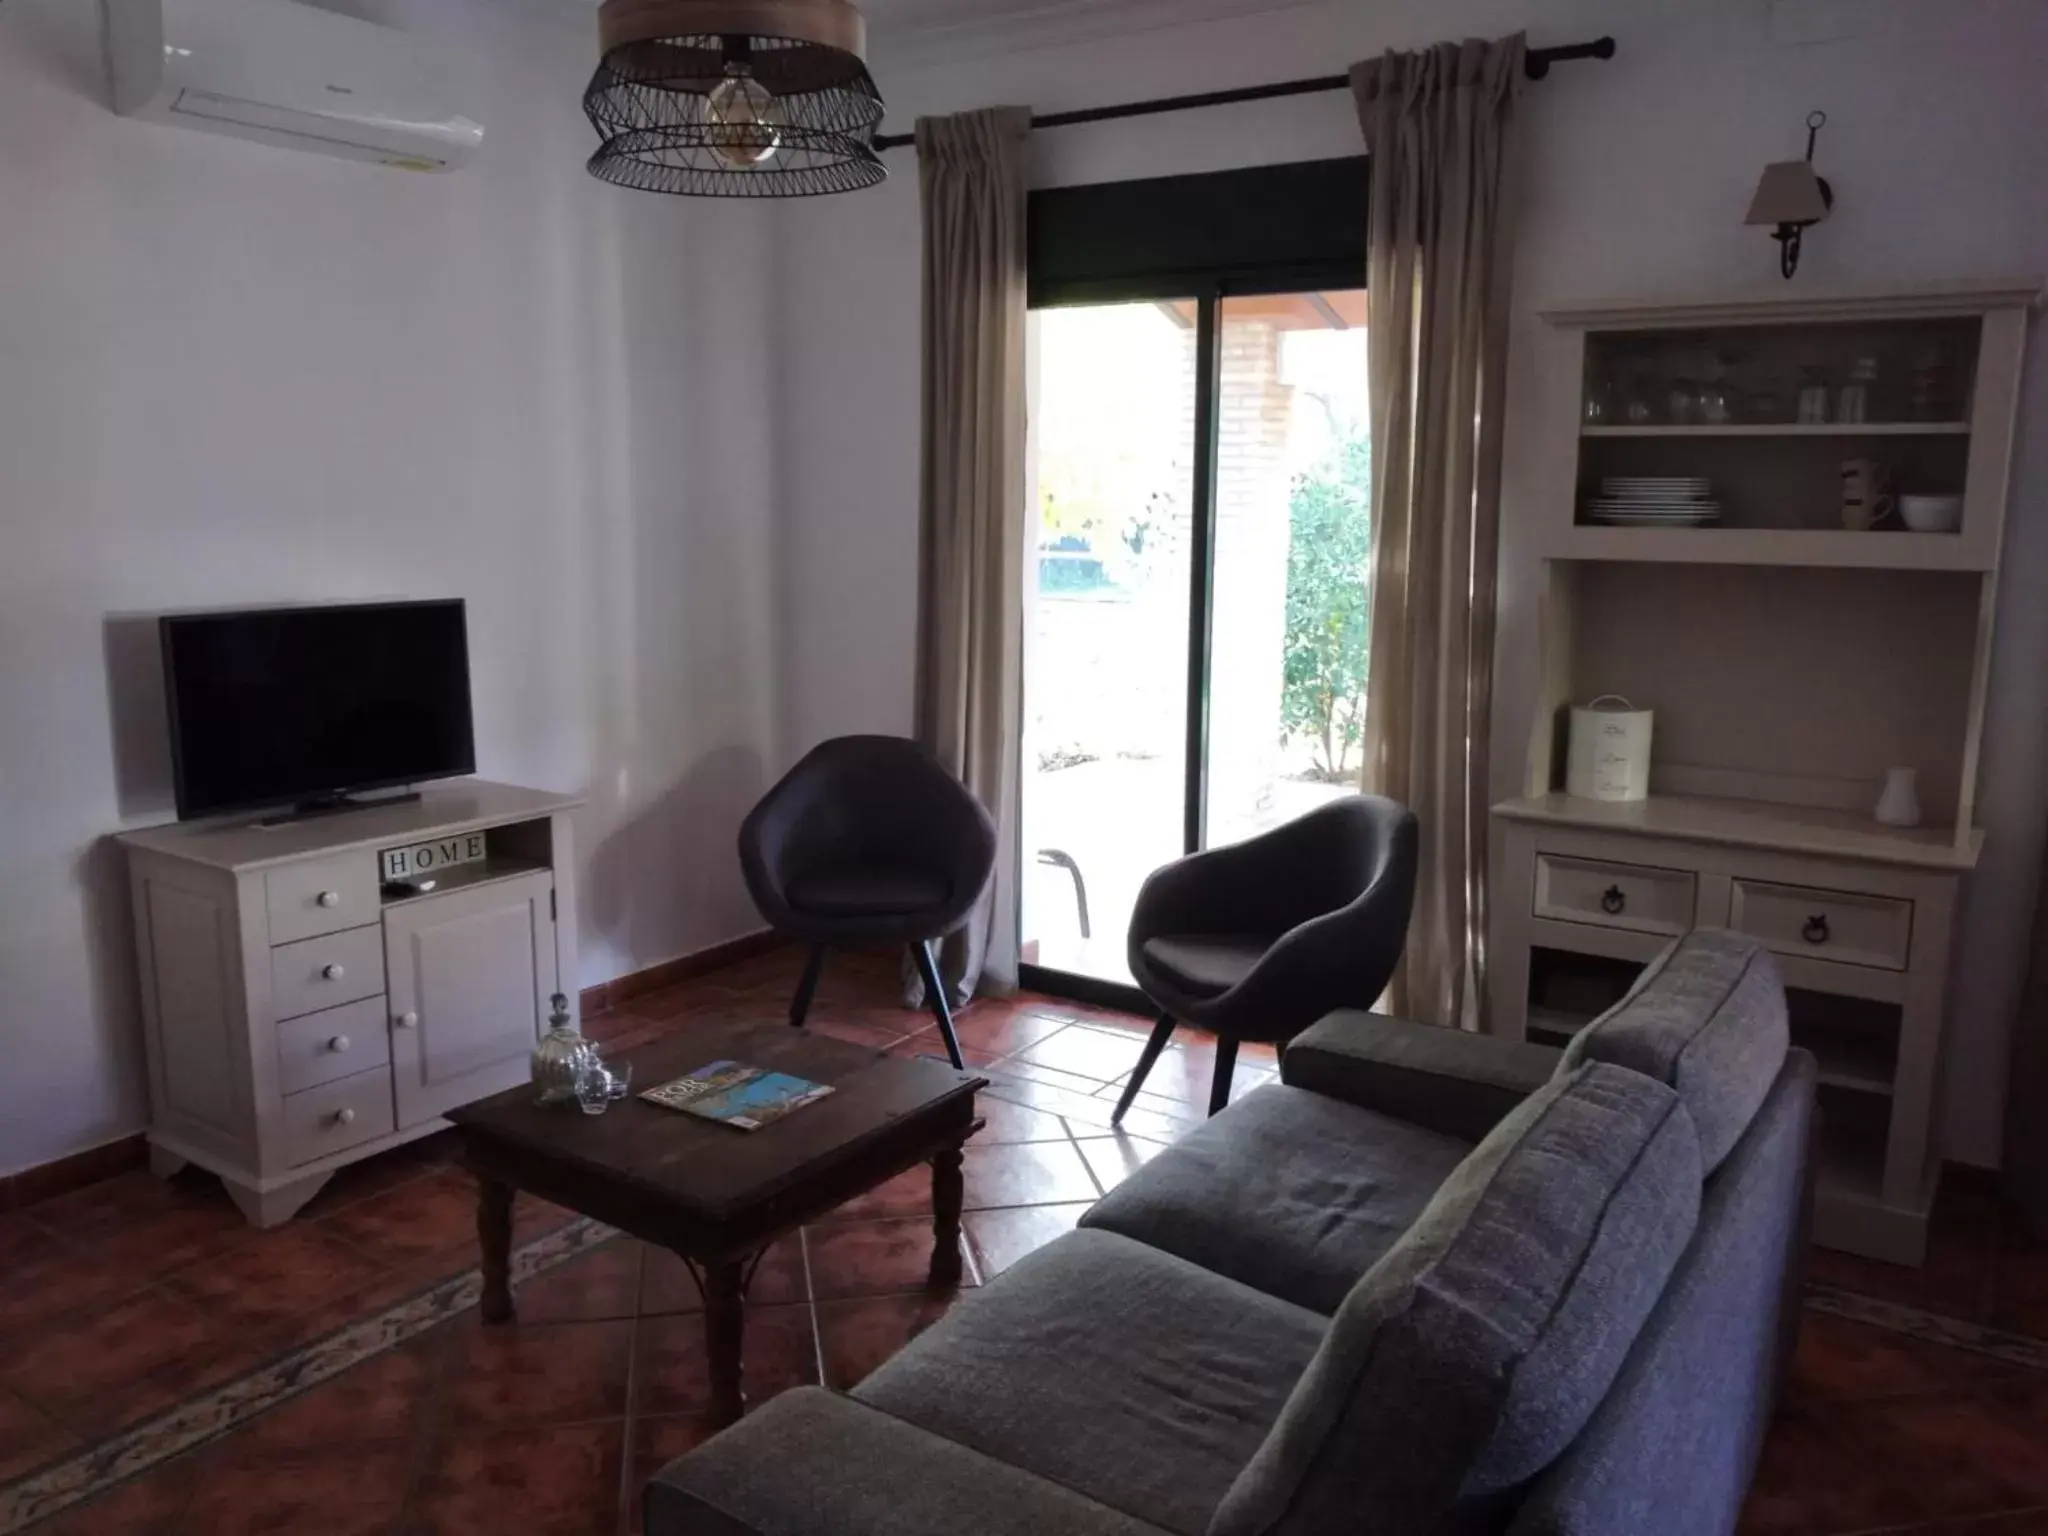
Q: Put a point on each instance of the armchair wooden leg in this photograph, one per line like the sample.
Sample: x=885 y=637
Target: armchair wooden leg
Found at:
x=800 y=1005
x=1161 y=1033
x=1226 y=1068
x=935 y=996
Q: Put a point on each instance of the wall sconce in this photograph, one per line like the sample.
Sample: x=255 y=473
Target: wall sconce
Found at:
x=1792 y=195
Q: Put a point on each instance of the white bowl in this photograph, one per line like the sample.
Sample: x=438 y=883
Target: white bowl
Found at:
x=1932 y=514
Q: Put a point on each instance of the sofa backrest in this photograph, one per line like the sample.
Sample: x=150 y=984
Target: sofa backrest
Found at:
x=1471 y=1354
x=1674 y=1442
x=1707 y=1016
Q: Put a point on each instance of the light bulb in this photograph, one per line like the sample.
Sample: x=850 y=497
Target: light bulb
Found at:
x=749 y=112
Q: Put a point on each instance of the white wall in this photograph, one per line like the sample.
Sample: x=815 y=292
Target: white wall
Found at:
x=1636 y=176
x=232 y=374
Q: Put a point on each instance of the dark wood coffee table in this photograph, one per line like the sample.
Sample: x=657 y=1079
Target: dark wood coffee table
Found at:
x=716 y=1196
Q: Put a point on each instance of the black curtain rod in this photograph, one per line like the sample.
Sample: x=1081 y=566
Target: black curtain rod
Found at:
x=1535 y=65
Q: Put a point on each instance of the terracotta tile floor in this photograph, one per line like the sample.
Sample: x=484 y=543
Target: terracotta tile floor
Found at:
x=131 y=1302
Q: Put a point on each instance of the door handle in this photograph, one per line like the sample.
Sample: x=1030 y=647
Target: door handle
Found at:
x=408 y=1020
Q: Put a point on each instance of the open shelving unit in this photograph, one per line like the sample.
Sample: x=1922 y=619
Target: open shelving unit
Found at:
x=1791 y=660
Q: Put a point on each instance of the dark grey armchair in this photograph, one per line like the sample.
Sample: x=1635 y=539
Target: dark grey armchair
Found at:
x=1259 y=939
x=869 y=840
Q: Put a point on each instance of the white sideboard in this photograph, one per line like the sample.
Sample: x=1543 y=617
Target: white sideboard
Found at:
x=1796 y=653
x=298 y=1018
x=1860 y=921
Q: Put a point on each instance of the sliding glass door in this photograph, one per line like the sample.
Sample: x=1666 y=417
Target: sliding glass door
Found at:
x=1106 y=652
x=1195 y=614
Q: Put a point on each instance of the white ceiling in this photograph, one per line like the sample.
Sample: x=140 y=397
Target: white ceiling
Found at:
x=906 y=18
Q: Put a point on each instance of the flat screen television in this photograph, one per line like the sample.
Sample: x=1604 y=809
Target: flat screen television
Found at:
x=306 y=706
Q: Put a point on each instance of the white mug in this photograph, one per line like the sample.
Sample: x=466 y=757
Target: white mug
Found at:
x=1866 y=495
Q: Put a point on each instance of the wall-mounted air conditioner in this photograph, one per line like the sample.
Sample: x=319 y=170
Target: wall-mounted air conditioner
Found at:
x=286 y=74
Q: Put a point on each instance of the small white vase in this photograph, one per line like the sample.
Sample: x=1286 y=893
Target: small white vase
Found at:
x=1899 y=805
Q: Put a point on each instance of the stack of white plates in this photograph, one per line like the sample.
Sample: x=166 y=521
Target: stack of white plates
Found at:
x=1649 y=501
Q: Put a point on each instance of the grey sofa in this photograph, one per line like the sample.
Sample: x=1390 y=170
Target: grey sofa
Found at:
x=1429 y=1282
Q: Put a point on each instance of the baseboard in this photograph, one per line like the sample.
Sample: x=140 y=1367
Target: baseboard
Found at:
x=609 y=994
x=45 y=1180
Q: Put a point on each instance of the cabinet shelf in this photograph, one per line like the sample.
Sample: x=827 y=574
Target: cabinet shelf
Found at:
x=1854 y=1066
x=485 y=871
x=1556 y=1026
x=1788 y=429
x=1755 y=824
x=1839 y=547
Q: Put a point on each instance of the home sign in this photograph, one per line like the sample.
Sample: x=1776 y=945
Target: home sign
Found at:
x=417 y=859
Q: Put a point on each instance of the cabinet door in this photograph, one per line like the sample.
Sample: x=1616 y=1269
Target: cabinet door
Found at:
x=469 y=978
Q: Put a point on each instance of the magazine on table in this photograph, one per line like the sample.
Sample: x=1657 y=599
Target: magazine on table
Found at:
x=735 y=1094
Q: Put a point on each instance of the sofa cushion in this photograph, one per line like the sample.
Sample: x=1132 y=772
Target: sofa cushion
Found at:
x=1450 y=1080
x=1706 y=1016
x=1292 y=1192
x=1474 y=1352
x=1205 y=965
x=1122 y=1372
x=814 y=1462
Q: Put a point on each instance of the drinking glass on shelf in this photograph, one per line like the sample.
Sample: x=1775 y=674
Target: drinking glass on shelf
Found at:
x=1681 y=407
x=1935 y=394
x=1599 y=407
x=1853 y=403
x=621 y=1074
x=1813 y=397
x=1768 y=399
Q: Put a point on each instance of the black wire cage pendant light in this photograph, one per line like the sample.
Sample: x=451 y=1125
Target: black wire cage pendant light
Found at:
x=734 y=98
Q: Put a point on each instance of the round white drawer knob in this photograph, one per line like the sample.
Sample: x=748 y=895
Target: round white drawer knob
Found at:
x=338 y=1043
x=331 y=972
x=344 y=1116
x=408 y=1020
x=330 y=898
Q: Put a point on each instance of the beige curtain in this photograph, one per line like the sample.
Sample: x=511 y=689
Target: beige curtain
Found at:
x=970 y=630
x=1437 y=128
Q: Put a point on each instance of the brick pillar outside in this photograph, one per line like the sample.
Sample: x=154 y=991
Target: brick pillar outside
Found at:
x=1250 y=612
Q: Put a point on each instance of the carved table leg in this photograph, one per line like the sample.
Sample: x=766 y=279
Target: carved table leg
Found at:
x=494 y=1233
x=724 y=1331
x=949 y=1192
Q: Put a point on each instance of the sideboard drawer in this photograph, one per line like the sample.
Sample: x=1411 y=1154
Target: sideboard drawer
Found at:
x=336 y=1042
x=1633 y=896
x=321 y=896
x=336 y=1116
x=1843 y=926
x=326 y=972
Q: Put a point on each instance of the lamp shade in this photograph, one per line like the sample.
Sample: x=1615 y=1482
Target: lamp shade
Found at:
x=1789 y=192
x=734 y=98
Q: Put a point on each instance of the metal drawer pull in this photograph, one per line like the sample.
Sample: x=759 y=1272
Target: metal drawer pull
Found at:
x=408 y=1020
x=338 y=1044
x=344 y=1116
x=331 y=972
x=1612 y=899
x=1816 y=929
x=329 y=898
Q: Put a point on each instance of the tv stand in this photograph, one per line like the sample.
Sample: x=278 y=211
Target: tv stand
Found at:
x=299 y=1016
x=334 y=805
